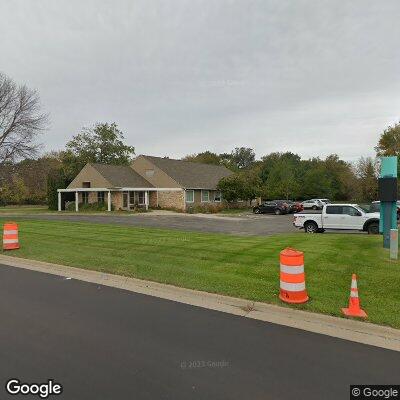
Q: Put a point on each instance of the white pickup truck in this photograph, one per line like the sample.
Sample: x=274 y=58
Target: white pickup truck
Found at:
x=338 y=216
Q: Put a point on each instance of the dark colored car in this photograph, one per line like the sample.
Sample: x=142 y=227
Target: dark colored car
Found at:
x=376 y=207
x=271 y=207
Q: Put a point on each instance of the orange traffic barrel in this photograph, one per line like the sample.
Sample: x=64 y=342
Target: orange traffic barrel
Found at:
x=292 y=277
x=10 y=236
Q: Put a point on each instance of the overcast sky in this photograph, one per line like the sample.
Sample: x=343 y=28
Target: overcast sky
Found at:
x=182 y=76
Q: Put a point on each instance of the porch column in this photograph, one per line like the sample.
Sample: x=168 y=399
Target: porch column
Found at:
x=59 y=201
x=129 y=200
x=109 y=200
x=76 y=201
x=146 y=199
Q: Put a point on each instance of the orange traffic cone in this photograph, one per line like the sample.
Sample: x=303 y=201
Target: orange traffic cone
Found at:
x=354 y=309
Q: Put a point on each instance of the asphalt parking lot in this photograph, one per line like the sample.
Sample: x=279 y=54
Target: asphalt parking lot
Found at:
x=248 y=224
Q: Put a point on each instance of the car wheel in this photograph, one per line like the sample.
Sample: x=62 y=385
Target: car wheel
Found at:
x=278 y=211
x=314 y=207
x=257 y=211
x=373 y=228
x=310 y=227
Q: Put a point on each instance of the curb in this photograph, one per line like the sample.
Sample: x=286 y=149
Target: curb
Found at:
x=356 y=331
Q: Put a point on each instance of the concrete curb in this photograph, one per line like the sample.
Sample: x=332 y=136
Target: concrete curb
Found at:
x=352 y=330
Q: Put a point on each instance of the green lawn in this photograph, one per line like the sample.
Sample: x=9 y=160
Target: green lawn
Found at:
x=245 y=267
x=29 y=209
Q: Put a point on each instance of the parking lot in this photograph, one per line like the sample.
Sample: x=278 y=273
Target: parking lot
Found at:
x=248 y=224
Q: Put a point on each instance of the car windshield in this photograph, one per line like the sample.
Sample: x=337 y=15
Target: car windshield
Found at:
x=368 y=209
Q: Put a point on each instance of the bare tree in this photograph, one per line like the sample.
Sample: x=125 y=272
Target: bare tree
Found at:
x=20 y=121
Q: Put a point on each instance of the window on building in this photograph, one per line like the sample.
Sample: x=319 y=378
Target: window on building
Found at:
x=125 y=199
x=205 y=196
x=149 y=172
x=218 y=196
x=189 y=196
x=86 y=184
x=85 y=197
x=141 y=198
x=100 y=197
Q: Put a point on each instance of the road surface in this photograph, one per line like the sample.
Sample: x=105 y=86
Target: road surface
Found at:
x=105 y=343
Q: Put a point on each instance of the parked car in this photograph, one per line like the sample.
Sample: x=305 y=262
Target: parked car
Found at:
x=313 y=204
x=324 y=201
x=286 y=203
x=338 y=216
x=376 y=207
x=271 y=207
x=298 y=206
x=292 y=206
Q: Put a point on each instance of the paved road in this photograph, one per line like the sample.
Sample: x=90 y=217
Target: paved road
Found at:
x=105 y=343
x=248 y=225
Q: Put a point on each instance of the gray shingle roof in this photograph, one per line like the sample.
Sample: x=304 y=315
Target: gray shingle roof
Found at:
x=122 y=176
x=191 y=175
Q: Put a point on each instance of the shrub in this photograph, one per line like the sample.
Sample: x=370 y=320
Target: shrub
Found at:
x=70 y=206
x=207 y=208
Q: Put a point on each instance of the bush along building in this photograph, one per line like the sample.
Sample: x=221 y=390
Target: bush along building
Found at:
x=149 y=182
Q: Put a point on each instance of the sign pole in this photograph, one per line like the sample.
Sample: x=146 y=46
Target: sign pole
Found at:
x=388 y=198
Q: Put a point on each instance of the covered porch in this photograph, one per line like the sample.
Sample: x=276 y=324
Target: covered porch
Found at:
x=121 y=198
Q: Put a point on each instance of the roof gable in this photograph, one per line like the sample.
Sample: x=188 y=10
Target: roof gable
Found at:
x=122 y=176
x=191 y=175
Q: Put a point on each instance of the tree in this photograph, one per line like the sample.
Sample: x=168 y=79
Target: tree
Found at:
x=342 y=177
x=367 y=173
x=20 y=120
x=240 y=186
x=242 y=157
x=206 y=157
x=103 y=143
x=389 y=141
x=56 y=179
x=317 y=183
x=282 y=182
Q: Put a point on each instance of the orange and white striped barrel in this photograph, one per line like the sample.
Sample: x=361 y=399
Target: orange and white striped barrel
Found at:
x=10 y=236
x=292 y=277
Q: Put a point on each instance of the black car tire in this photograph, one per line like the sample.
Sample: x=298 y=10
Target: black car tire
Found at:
x=373 y=228
x=278 y=211
x=257 y=211
x=310 y=227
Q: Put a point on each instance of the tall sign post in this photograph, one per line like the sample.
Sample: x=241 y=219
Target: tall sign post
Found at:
x=388 y=198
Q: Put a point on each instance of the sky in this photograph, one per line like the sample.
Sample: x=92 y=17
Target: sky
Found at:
x=179 y=77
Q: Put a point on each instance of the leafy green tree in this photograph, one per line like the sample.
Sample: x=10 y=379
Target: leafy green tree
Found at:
x=206 y=157
x=56 y=179
x=282 y=182
x=317 y=183
x=389 y=141
x=241 y=186
x=102 y=143
x=367 y=173
x=342 y=178
x=269 y=161
x=243 y=157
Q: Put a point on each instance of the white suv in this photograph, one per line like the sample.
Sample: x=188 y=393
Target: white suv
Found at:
x=323 y=201
x=314 y=204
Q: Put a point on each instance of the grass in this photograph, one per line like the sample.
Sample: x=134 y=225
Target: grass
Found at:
x=246 y=267
x=28 y=209
x=40 y=209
